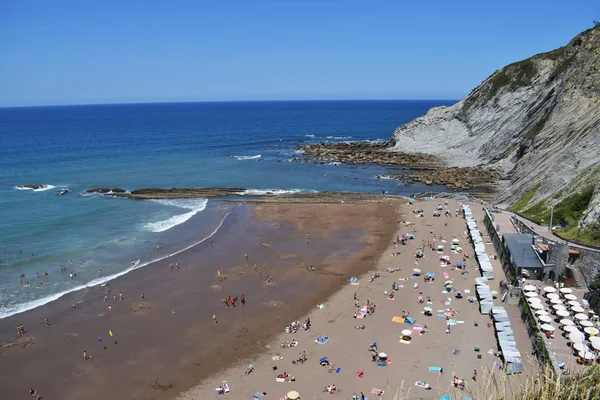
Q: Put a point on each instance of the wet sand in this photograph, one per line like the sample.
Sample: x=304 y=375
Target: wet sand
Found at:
x=347 y=347
x=154 y=355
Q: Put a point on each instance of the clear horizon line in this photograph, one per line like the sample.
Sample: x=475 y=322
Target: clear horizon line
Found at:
x=215 y=101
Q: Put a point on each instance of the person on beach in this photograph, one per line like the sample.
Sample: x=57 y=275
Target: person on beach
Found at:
x=46 y=321
x=246 y=256
x=85 y=356
x=173 y=313
x=243 y=299
x=34 y=394
x=475 y=375
x=171 y=266
x=121 y=296
x=143 y=297
x=215 y=318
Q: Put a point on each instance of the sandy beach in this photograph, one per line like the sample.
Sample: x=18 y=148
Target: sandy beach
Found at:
x=166 y=344
x=459 y=352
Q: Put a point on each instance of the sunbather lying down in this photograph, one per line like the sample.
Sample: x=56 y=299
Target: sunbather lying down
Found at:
x=377 y=392
x=359 y=327
x=423 y=385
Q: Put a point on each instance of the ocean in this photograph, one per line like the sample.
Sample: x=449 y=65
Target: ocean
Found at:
x=226 y=144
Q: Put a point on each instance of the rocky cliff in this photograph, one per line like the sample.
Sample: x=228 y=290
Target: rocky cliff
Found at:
x=538 y=119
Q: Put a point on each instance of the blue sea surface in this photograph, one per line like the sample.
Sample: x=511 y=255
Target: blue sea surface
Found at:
x=237 y=144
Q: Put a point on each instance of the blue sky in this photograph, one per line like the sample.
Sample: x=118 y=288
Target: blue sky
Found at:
x=81 y=52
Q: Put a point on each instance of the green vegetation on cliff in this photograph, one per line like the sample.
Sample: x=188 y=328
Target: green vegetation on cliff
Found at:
x=523 y=201
x=566 y=213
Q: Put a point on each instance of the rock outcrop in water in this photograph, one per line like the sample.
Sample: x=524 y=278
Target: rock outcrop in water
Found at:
x=537 y=119
x=33 y=187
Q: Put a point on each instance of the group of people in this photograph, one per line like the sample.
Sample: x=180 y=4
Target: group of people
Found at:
x=230 y=301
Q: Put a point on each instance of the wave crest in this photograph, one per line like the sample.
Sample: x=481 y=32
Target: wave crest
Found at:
x=193 y=205
x=248 y=157
x=42 y=188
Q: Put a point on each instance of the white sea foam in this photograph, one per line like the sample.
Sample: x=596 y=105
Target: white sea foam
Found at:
x=12 y=309
x=262 y=192
x=248 y=157
x=42 y=189
x=339 y=137
x=310 y=136
x=385 y=177
x=193 y=205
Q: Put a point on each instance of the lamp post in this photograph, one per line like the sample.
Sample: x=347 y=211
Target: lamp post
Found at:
x=551 y=215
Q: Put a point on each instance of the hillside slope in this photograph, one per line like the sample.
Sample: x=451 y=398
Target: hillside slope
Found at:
x=538 y=119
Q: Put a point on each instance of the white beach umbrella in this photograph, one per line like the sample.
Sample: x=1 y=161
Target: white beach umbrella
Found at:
x=545 y=318
x=581 y=317
x=580 y=347
x=556 y=301
x=559 y=307
x=547 y=327
x=569 y=328
x=566 y=290
x=563 y=313
x=567 y=322
x=594 y=339
x=531 y=294
x=570 y=297
x=417 y=270
x=455 y=241
x=596 y=344
x=552 y=296
x=577 y=309
x=536 y=306
x=541 y=312
x=549 y=289
x=529 y=288
x=532 y=300
x=590 y=330
x=576 y=337
x=587 y=355
x=574 y=303
x=406 y=332
x=586 y=324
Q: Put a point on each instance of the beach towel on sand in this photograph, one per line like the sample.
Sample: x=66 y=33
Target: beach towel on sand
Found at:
x=409 y=320
x=321 y=339
x=446 y=275
x=399 y=320
x=257 y=395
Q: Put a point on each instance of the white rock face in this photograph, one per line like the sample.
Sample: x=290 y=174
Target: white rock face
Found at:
x=538 y=119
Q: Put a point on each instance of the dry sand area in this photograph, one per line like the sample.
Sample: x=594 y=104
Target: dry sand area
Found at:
x=348 y=348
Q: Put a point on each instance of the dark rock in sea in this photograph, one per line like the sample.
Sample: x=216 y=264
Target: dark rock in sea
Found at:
x=106 y=190
x=34 y=187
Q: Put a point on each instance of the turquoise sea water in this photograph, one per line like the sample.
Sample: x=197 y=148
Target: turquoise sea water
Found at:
x=158 y=145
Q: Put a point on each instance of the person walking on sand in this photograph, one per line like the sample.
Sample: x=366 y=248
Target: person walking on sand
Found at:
x=243 y=299
x=173 y=313
x=143 y=297
x=46 y=321
x=246 y=255
x=121 y=296
x=475 y=375
x=215 y=318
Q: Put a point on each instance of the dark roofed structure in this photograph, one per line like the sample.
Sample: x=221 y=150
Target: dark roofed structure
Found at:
x=520 y=251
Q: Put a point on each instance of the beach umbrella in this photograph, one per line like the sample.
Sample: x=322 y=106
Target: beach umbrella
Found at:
x=430 y=274
x=590 y=330
x=448 y=282
x=574 y=303
x=566 y=290
x=586 y=324
x=569 y=328
x=536 y=306
x=532 y=300
x=459 y=264
x=529 y=288
x=428 y=309
x=293 y=395
x=549 y=289
x=556 y=301
x=440 y=247
x=570 y=297
x=531 y=294
x=552 y=296
x=576 y=337
x=406 y=332
x=416 y=270
x=566 y=322
x=581 y=317
x=563 y=313
x=547 y=327
x=455 y=241
x=587 y=355
x=580 y=347
x=384 y=355
x=545 y=318
x=559 y=307
x=596 y=344
x=541 y=312
x=459 y=249
x=494 y=292
x=577 y=309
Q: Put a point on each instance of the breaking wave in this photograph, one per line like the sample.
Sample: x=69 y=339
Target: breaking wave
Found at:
x=194 y=206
